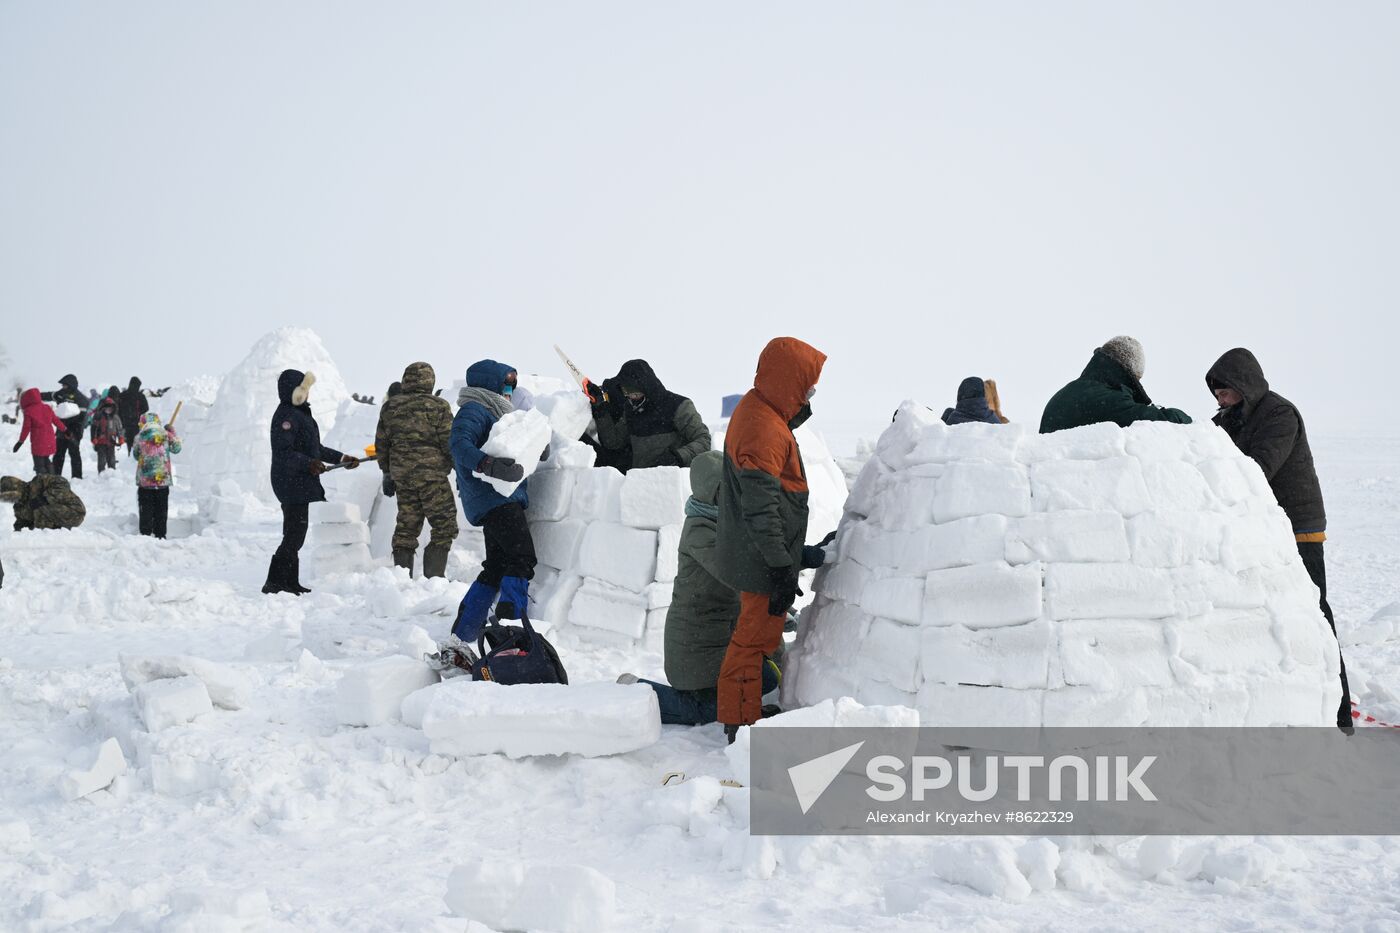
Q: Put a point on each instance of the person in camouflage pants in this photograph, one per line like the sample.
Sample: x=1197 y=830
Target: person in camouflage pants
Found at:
x=411 y=446
x=46 y=501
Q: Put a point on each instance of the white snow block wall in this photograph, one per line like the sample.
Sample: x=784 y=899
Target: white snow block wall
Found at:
x=233 y=437
x=1098 y=576
x=339 y=539
x=607 y=547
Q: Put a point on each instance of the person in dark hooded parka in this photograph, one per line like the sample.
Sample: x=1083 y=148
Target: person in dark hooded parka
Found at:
x=641 y=424
x=1268 y=428
x=298 y=460
x=972 y=404
x=131 y=405
x=72 y=407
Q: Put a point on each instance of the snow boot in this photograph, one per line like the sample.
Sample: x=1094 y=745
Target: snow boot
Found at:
x=404 y=558
x=435 y=561
x=294 y=579
x=471 y=614
x=515 y=598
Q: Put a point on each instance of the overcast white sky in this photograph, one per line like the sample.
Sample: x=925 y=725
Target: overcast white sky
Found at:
x=923 y=190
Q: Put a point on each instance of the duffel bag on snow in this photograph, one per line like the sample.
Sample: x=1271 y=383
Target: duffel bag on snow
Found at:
x=517 y=656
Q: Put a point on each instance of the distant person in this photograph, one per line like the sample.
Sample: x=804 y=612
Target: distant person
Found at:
x=1268 y=428
x=972 y=405
x=46 y=501
x=412 y=444
x=641 y=424
x=106 y=430
x=298 y=460
x=131 y=405
x=1110 y=389
x=155 y=442
x=763 y=518
x=994 y=401
x=71 y=406
x=42 y=427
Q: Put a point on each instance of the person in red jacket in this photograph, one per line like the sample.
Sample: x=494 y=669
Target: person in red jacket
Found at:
x=42 y=427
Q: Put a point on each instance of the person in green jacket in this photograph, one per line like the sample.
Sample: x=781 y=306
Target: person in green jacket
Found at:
x=641 y=424
x=1109 y=389
x=703 y=610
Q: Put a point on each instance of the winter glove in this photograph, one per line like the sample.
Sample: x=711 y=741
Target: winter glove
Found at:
x=782 y=589
x=349 y=461
x=616 y=404
x=812 y=556
x=544 y=454
x=18 y=445
x=594 y=393
x=501 y=468
x=389 y=487
x=315 y=467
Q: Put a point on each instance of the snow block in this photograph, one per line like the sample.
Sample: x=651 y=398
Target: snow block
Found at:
x=93 y=769
x=415 y=706
x=522 y=436
x=228 y=688
x=1173 y=539
x=1092 y=442
x=659 y=596
x=1015 y=656
x=505 y=894
x=340 y=533
x=373 y=693
x=906 y=502
x=551 y=603
x=1176 y=486
x=1111 y=654
x=983 y=595
x=655 y=497
x=974 y=540
x=557 y=543
x=619 y=555
x=845 y=581
x=668 y=543
x=1115 y=485
x=550 y=495
x=482 y=718
x=334 y=513
x=600 y=605
x=1230 y=641
x=975 y=488
x=869 y=486
x=171 y=702
x=598 y=495
x=1073 y=536
x=891 y=655
x=1107 y=591
x=900 y=599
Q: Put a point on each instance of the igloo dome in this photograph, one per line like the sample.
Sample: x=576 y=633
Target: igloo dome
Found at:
x=1100 y=576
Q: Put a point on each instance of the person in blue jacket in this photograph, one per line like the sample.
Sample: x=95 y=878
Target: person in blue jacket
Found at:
x=972 y=404
x=510 y=551
x=298 y=460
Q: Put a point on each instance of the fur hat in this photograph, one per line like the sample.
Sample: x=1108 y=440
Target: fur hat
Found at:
x=1128 y=353
x=300 y=392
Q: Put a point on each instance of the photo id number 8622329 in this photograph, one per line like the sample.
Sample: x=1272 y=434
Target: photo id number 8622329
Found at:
x=1039 y=816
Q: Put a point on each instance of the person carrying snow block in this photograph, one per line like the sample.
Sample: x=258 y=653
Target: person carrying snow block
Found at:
x=298 y=460
x=763 y=518
x=510 y=551
x=46 y=501
x=972 y=404
x=72 y=408
x=131 y=405
x=154 y=444
x=1269 y=429
x=412 y=444
x=1109 y=389
x=107 y=431
x=42 y=427
x=641 y=424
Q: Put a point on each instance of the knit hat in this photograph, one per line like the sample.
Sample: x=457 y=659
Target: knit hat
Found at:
x=1128 y=353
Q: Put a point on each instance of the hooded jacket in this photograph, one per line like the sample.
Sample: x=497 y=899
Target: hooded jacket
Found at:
x=703 y=610
x=763 y=494
x=1269 y=429
x=1105 y=391
x=46 y=501
x=154 y=445
x=70 y=394
x=666 y=424
x=40 y=424
x=412 y=441
x=296 y=441
x=972 y=404
x=483 y=402
x=106 y=423
x=131 y=405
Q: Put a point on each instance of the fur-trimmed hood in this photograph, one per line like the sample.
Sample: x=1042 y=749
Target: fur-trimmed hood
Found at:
x=294 y=387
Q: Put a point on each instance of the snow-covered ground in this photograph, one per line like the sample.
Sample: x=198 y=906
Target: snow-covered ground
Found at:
x=275 y=816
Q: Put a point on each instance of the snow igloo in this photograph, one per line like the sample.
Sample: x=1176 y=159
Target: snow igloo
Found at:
x=1101 y=576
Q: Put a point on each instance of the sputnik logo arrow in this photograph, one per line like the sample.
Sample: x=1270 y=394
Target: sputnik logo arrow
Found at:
x=811 y=778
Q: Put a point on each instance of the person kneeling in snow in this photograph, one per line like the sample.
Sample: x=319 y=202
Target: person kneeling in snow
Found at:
x=510 y=551
x=973 y=404
x=298 y=460
x=154 y=444
x=763 y=518
x=1109 y=389
x=46 y=501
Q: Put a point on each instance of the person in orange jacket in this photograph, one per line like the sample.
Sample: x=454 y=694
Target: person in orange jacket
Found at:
x=763 y=518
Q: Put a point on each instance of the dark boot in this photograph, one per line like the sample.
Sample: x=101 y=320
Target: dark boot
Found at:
x=471 y=614
x=404 y=558
x=294 y=578
x=435 y=562
x=515 y=599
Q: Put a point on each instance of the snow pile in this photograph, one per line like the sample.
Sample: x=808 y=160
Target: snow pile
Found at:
x=93 y=769
x=373 y=693
x=506 y=894
x=234 y=436
x=1098 y=576
x=339 y=539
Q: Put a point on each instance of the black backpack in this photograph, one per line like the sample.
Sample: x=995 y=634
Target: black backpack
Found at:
x=518 y=655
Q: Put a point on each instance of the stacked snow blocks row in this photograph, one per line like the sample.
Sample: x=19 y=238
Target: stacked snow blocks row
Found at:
x=607 y=547
x=339 y=538
x=1098 y=576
